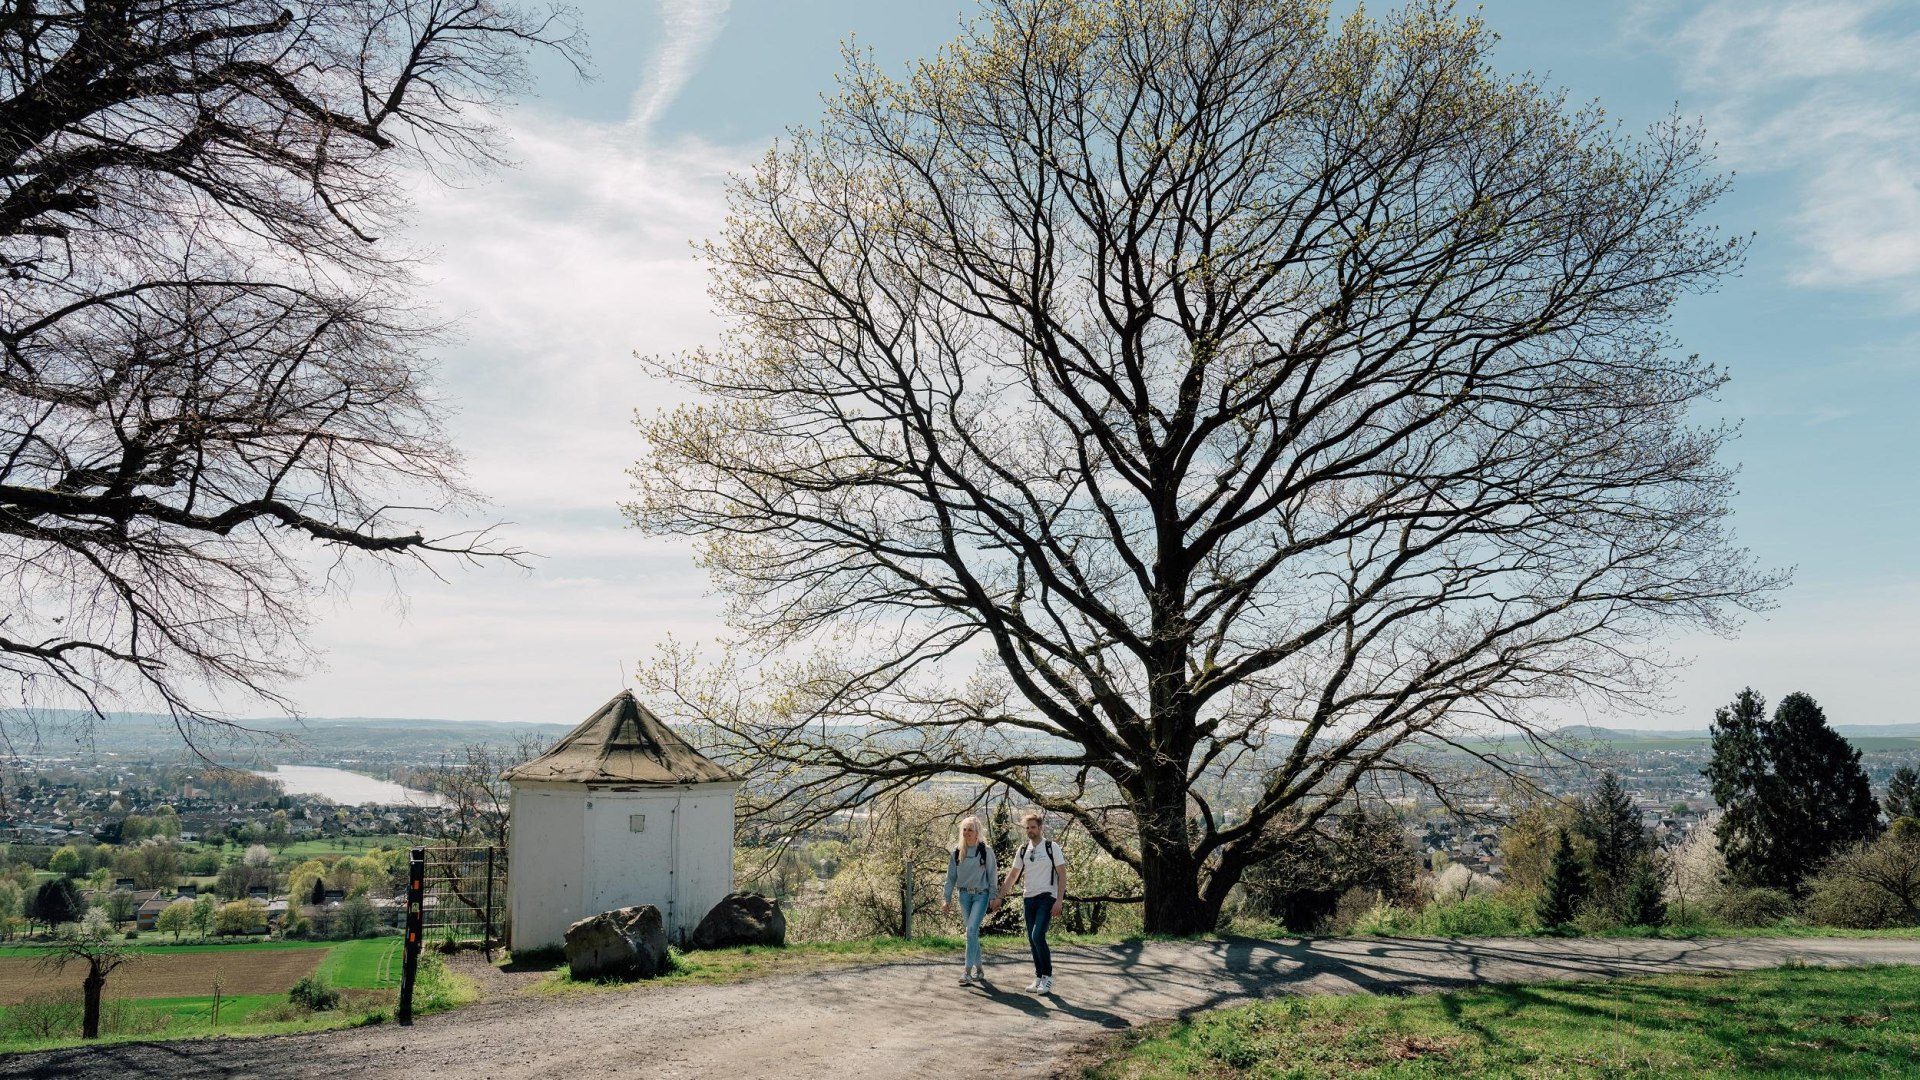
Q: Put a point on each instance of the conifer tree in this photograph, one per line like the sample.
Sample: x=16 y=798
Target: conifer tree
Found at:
x=1737 y=772
x=1566 y=885
x=1903 y=793
x=1821 y=795
x=1791 y=790
x=1608 y=818
x=1645 y=905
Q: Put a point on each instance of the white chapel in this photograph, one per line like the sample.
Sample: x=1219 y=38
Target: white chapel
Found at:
x=619 y=812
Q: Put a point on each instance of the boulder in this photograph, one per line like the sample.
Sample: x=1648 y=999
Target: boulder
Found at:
x=742 y=919
x=626 y=943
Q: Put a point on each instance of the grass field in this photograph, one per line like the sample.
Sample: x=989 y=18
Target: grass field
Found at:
x=372 y=964
x=167 y=992
x=345 y=845
x=1779 y=1024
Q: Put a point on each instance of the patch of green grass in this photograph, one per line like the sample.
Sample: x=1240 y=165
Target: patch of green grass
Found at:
x=346 y=845
x=370 y=963
x=436 y=988
x=1783 y=1023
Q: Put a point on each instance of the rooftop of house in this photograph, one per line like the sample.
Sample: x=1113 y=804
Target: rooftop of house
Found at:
x=623 y=742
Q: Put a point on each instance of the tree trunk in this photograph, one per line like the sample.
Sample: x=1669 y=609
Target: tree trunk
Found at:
x=1169 y=874
x=90 y=1021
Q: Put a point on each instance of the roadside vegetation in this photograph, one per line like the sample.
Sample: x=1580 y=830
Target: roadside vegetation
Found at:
x=1780 y=1023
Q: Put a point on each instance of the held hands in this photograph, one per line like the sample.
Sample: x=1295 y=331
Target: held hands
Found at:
x=993 y=904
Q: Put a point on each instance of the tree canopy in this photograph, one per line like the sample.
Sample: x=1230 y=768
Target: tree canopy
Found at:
x=209 y=372
x=1144 y=391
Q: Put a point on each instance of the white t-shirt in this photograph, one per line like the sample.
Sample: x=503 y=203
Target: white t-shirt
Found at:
x=1037 y=877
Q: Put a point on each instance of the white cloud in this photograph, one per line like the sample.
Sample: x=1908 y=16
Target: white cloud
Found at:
x=691 y=26
x=1824 y=92
x=557 y=272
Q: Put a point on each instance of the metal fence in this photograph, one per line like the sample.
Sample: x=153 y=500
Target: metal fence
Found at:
x=464 y=895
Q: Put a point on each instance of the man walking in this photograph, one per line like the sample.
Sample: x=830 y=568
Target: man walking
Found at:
x=1043 y=869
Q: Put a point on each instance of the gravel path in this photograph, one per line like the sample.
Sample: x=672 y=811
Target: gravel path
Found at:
x=910 y=1019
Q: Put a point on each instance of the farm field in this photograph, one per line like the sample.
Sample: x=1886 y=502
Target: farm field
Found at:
x=346 y=845
x=170 y=973
x=169 y=989
x=187 y=972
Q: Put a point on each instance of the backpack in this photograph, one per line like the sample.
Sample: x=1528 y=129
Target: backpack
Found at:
x=979 y=851
x=1050 y=850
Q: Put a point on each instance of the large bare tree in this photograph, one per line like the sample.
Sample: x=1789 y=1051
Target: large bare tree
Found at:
x=1150 y=398
x=213 y=384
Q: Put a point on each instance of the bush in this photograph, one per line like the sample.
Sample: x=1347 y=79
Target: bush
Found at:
x=1486 y=915
x=1745 y=908
x=58 y=1015
x=1837 y=901
x=1873 y=886
x=1351 y=908
x=1309 y=870
x=313 y=994
x=44 y=1016
x=1504 y=913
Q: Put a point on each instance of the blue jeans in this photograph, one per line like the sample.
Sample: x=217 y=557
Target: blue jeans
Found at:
x=1039 y=917
x=973 y=908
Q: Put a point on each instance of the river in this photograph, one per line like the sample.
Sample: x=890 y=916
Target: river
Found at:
x=348 y=788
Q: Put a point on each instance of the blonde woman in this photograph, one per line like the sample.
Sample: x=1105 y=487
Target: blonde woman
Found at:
x=971 y=871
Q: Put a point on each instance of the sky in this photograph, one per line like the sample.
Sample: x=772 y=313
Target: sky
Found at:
x=562 y=268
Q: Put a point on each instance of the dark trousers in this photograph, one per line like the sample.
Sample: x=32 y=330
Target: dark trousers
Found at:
x=1039 y=917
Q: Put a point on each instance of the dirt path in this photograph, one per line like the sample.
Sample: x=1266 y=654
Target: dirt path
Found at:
x=910 y=1019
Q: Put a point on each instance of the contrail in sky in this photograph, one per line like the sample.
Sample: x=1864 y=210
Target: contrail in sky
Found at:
x=690 y=26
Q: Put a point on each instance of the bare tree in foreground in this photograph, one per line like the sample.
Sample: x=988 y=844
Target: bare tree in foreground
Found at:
x=93 y=943
x=211 y=370
x=1149 y=395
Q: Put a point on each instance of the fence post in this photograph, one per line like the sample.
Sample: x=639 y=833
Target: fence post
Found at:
x=906 y=900
x=416 y=917
x=486 y=941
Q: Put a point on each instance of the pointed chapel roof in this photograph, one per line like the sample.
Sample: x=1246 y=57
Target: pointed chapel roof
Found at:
x=622 y=743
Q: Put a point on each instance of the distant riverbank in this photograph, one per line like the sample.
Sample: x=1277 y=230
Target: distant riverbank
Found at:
x=348 y=788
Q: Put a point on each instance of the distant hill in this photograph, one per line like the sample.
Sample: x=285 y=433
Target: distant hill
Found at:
x=1591 y=733
x=1884 y=731
x=277 y=738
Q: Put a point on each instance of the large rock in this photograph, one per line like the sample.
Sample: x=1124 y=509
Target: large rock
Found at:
x=743 y=918
x=626 y=943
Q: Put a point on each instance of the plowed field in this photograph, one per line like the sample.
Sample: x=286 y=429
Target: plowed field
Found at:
x=161 y=975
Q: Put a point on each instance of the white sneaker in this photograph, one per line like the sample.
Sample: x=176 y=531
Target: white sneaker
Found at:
x=966 y=976
x=1034 y=986
x=1046 y=985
